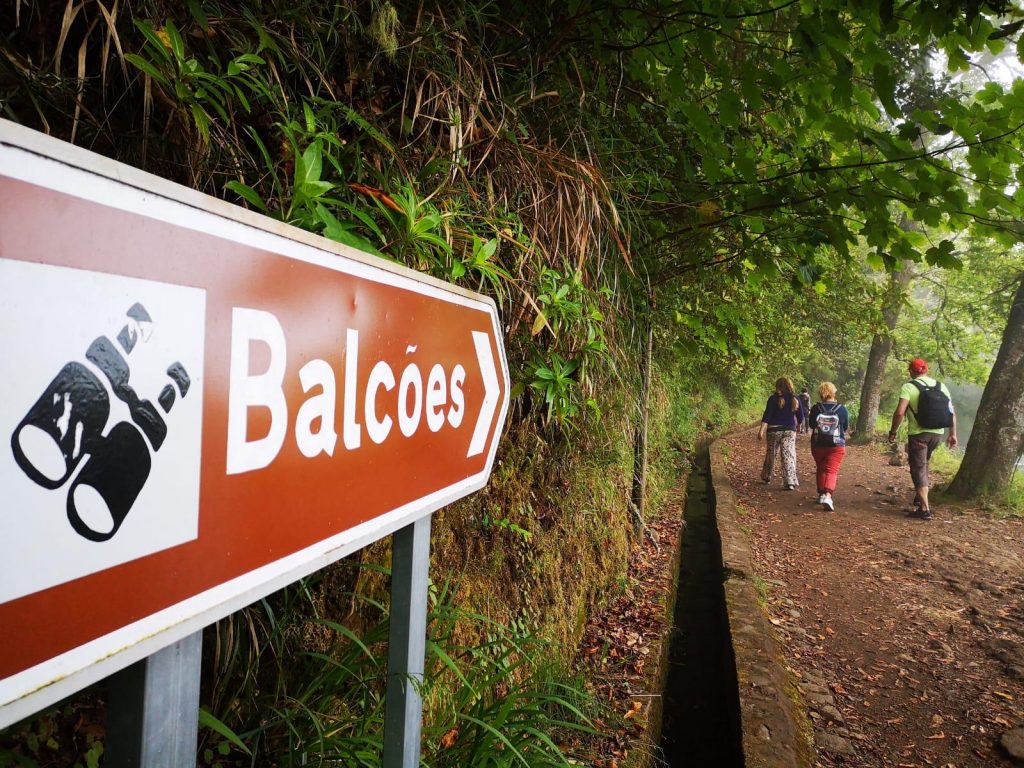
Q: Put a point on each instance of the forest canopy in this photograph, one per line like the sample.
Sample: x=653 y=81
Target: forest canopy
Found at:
x=690 y=159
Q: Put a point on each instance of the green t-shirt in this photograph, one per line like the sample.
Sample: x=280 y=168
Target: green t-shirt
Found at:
x=911 y=393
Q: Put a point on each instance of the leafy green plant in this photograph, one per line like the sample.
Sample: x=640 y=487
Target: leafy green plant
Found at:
x=206 y=95
x=560 y=300
x=553 y=379
x=504 y=701
x=559 y=373
x=414 y=229
x=315 y=694
x=505 y=524
x=479 y=264
x=70 y=734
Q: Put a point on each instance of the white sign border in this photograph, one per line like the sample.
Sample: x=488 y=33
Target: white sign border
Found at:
x=42 y=160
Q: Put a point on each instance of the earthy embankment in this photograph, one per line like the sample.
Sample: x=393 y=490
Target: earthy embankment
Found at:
x=862 y=637
x=625 y=647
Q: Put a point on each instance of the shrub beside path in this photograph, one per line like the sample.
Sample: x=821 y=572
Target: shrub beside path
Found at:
x=906 y=636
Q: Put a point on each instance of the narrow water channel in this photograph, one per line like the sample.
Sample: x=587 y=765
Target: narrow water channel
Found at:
x=701 y=711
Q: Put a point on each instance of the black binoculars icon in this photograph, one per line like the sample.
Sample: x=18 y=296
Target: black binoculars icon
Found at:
x=65 y=428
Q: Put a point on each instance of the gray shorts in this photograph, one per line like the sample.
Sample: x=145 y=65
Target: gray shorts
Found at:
x=920 y=448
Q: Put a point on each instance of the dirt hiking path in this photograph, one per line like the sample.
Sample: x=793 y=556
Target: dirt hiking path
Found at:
x=906 y=636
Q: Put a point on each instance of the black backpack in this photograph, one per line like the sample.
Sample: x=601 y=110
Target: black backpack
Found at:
x=932 y=406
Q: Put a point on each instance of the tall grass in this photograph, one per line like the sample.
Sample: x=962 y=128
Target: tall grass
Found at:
x=1015 y=496
x=318 y=699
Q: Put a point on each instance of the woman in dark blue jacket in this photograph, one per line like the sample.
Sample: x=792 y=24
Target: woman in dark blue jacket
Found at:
x=782 y=415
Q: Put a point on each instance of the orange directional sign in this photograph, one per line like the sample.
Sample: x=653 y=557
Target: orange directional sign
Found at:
x=199 y=405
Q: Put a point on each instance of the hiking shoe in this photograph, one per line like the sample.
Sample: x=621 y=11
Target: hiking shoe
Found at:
x=920 y=514
x=827 y=503
x=788 y=487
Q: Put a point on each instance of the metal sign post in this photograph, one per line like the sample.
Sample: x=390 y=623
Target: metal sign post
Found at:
x=403 y=714
x=200 y=405
x=153 y=709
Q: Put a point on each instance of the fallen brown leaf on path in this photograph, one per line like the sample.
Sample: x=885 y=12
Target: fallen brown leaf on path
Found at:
x=448 y=740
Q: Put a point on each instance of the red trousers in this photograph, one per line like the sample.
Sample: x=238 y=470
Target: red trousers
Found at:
x=828 y=460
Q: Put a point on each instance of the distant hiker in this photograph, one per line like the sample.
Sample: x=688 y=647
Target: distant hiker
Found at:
x=782 y=415
x=931 y=411
x=829 y=424
x=805 y=401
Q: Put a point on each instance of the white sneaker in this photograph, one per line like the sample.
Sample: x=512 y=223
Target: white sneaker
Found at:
x=826 y=501
x=821 y=498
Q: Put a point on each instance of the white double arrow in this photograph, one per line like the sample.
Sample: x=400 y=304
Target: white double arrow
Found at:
x=491 y=390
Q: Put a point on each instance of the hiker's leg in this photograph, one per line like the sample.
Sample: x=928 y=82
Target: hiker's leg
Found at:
x=833 y=458
x=820 y=465
x=788 y=441
x=769 y=457
x=931 y=441
x=917 y=459
x=914 y=459
x=922 y=494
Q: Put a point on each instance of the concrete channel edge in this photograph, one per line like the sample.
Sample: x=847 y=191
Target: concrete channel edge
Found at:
x=776 y=730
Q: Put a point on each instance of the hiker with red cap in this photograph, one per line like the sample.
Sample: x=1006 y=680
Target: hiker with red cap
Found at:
x=930 y=408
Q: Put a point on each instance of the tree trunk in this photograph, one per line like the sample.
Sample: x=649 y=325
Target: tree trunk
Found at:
x=998 y=437
x=881 y=345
